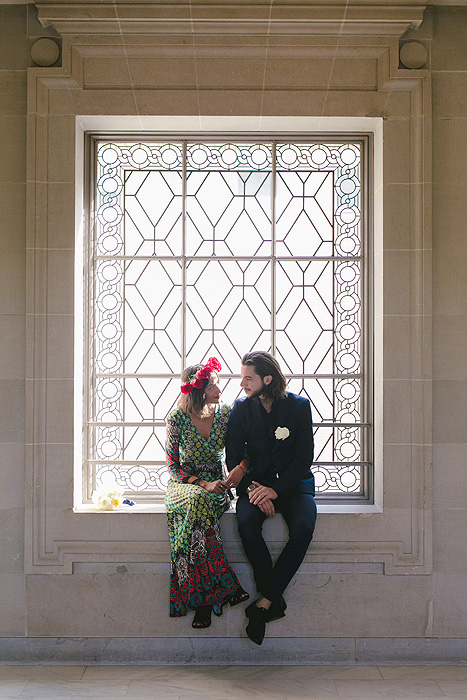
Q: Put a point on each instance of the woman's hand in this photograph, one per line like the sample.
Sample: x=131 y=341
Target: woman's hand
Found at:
x=214 y=486
x=234 y=477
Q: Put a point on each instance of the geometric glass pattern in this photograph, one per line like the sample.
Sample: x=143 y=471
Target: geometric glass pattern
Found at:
x=216 y=248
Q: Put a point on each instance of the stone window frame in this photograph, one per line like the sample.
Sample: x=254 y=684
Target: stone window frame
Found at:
x=344 y=129
x=396 y=539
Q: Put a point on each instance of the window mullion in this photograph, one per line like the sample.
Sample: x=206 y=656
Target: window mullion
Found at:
x=183 y=258
x=273 y=251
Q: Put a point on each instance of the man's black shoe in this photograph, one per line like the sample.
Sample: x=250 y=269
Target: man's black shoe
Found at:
x=277 y=610
x=256 y=627
x=250 y=607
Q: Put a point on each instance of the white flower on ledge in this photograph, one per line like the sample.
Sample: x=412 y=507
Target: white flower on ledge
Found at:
x=107 y=500
x=282 y=433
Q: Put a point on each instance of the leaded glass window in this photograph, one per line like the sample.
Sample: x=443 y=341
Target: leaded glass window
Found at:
x=215 y=248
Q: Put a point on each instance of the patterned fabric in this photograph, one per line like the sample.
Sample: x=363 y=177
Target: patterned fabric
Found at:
x=200 y=572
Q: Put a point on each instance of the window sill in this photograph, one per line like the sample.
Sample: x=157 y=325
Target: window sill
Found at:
x=151 y=508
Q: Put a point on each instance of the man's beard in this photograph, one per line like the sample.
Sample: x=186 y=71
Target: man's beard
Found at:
x=259 y=392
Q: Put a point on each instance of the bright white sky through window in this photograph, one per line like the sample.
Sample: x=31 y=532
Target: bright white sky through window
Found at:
x=206 y=249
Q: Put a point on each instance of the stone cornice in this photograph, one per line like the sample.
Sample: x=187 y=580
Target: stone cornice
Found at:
x=247 y=18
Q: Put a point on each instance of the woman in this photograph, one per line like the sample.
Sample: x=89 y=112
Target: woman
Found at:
x=201 y=577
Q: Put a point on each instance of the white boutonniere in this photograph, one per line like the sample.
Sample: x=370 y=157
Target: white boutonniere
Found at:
x=282 y=433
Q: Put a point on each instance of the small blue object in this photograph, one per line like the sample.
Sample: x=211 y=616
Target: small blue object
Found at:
x=127 y=502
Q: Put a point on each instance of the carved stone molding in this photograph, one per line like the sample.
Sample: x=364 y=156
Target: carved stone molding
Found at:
x=211 y=19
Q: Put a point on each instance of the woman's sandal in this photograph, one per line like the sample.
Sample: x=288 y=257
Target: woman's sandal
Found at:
x=234 y=599
x=240 y=596
x=202 y=618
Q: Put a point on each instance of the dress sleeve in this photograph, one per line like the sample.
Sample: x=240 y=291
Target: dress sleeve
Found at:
x=172 y=451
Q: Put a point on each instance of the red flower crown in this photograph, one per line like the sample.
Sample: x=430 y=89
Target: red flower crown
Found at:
x=196 y=381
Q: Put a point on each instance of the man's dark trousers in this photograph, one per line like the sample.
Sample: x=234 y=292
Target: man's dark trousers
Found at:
x=299 y=512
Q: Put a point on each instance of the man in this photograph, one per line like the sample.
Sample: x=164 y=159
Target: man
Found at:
x=274 y=428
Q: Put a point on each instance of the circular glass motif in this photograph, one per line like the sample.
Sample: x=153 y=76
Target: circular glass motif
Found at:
x=109 y=330
x=321 y=477
x=138 y=478
x=289 y=155
x=347 y=302
x=108 y=448
x=109 y=214
x=140 y=154
x=110 y=243
x=110 y=271
x=199 y=155
x=109 y=301
x=109 y=154
x=110 y=389
x=347 y=448
x=229 y=155
x=347 y=331
x=349 y=479
x=348 y=390
x=349 y=156
x=259 y=156
x=109 y=361
x=109 y=185
x=347 y=244
x=348 y=361
x=169 y=155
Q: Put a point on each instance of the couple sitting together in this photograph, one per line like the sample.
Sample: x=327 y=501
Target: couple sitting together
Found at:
x=268 y=440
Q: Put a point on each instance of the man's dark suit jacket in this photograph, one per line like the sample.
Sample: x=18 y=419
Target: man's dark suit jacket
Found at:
x=284 y=465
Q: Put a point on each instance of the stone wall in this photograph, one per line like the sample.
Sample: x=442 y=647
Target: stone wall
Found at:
x=374 y=586
x=449 y=64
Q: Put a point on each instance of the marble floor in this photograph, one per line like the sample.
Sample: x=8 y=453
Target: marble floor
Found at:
x=232 y=682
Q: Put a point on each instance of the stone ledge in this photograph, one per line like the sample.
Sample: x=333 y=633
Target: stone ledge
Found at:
x=220 y=651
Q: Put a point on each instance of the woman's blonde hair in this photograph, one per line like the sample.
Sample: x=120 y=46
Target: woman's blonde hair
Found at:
x=195 y=401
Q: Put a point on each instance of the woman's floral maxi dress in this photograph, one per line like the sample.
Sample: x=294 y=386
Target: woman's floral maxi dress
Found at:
x=200 y=572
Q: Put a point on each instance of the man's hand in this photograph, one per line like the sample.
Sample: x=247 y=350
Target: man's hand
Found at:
x=267 y=507
x=260 y=494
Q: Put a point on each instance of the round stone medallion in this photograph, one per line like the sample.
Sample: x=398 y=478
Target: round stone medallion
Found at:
x=413 y=54
x=45 y=52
